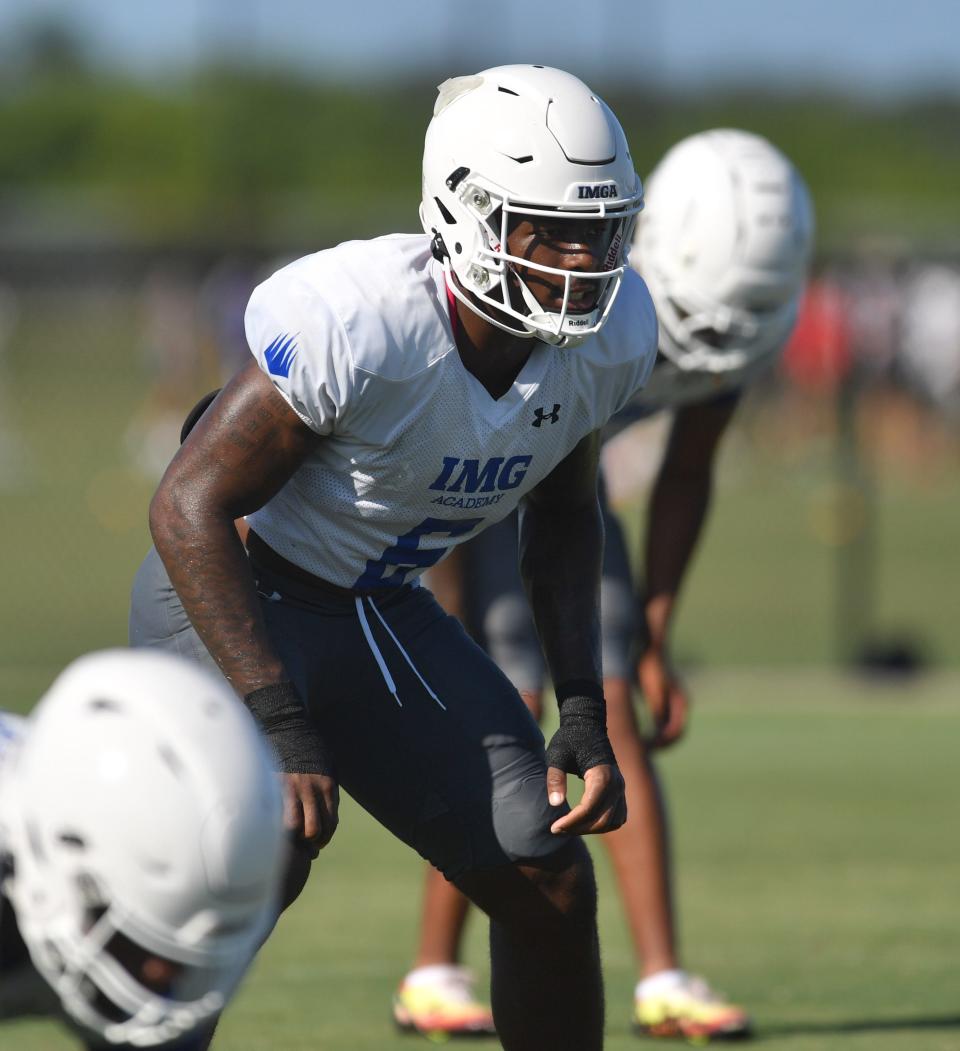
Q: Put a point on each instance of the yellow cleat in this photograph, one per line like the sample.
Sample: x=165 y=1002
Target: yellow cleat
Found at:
x=439 y=1002
x=691 y=1010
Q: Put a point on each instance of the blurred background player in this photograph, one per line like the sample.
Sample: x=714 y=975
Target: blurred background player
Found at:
x=723 y=244
x=141 y=842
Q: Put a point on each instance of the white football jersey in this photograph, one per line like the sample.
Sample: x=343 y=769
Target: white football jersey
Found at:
x=418 y=456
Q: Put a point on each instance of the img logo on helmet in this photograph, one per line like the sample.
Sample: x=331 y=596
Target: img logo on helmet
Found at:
x=604 y=191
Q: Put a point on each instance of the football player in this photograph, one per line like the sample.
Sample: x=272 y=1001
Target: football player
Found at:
x=404 y=394
x=723 y=244
x=142 y=846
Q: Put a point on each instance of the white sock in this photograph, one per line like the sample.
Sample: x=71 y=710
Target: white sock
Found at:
x=432 y=974
x=661 y=982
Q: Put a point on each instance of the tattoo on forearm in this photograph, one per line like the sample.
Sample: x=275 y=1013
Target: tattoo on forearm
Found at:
x=256 y=452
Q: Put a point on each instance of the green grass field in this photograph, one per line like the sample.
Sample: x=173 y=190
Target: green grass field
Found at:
x=818 y=863
x=815 y=814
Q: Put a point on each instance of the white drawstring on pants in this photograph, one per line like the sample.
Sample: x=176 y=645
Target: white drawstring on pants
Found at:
x=378 y=656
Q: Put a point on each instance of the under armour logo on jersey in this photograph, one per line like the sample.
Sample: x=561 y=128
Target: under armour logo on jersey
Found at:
x=280 y=354
x=542 y=415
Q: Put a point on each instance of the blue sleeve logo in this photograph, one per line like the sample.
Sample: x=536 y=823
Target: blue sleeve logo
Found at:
x=280 y=354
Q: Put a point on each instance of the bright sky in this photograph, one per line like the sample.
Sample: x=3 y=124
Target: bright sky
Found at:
x=872 y=47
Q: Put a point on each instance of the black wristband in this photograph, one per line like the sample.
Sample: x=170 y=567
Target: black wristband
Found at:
x=581 y=741
x=283 y=719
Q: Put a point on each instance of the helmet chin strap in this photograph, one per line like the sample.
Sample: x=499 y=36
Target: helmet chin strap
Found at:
x=557 y=337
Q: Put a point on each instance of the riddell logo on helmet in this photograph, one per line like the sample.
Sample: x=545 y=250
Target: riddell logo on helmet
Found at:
x=589 y=192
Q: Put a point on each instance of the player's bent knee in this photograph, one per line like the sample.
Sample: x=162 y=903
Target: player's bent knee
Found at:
x=522 y=817
x=547 y=896
x=566 y=880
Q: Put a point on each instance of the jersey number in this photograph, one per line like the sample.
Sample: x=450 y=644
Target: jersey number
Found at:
x=392 y=567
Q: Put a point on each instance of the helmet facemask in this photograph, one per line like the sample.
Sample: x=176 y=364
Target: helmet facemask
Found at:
x=130 y=984
x=700 y=335
x=501 y=280
x=518 y=143
x=100 y=989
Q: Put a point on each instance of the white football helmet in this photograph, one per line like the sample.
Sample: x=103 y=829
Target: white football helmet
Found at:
x=529 y=141
x=142 y=820
x=723 y=246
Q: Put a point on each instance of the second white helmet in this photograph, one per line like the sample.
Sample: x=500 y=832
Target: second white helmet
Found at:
x=143 y=819
x=530 y=141
x=724 y=245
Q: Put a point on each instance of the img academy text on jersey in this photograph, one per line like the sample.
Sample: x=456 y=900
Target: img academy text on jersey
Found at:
x=360 y=340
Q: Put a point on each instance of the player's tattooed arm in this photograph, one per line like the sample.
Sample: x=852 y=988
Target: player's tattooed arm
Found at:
x=241 y=452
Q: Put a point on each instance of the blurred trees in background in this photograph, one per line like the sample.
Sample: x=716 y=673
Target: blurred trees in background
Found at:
x=228 y=158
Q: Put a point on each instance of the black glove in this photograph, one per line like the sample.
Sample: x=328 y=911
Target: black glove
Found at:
x=282 y=717
x=581 y=740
